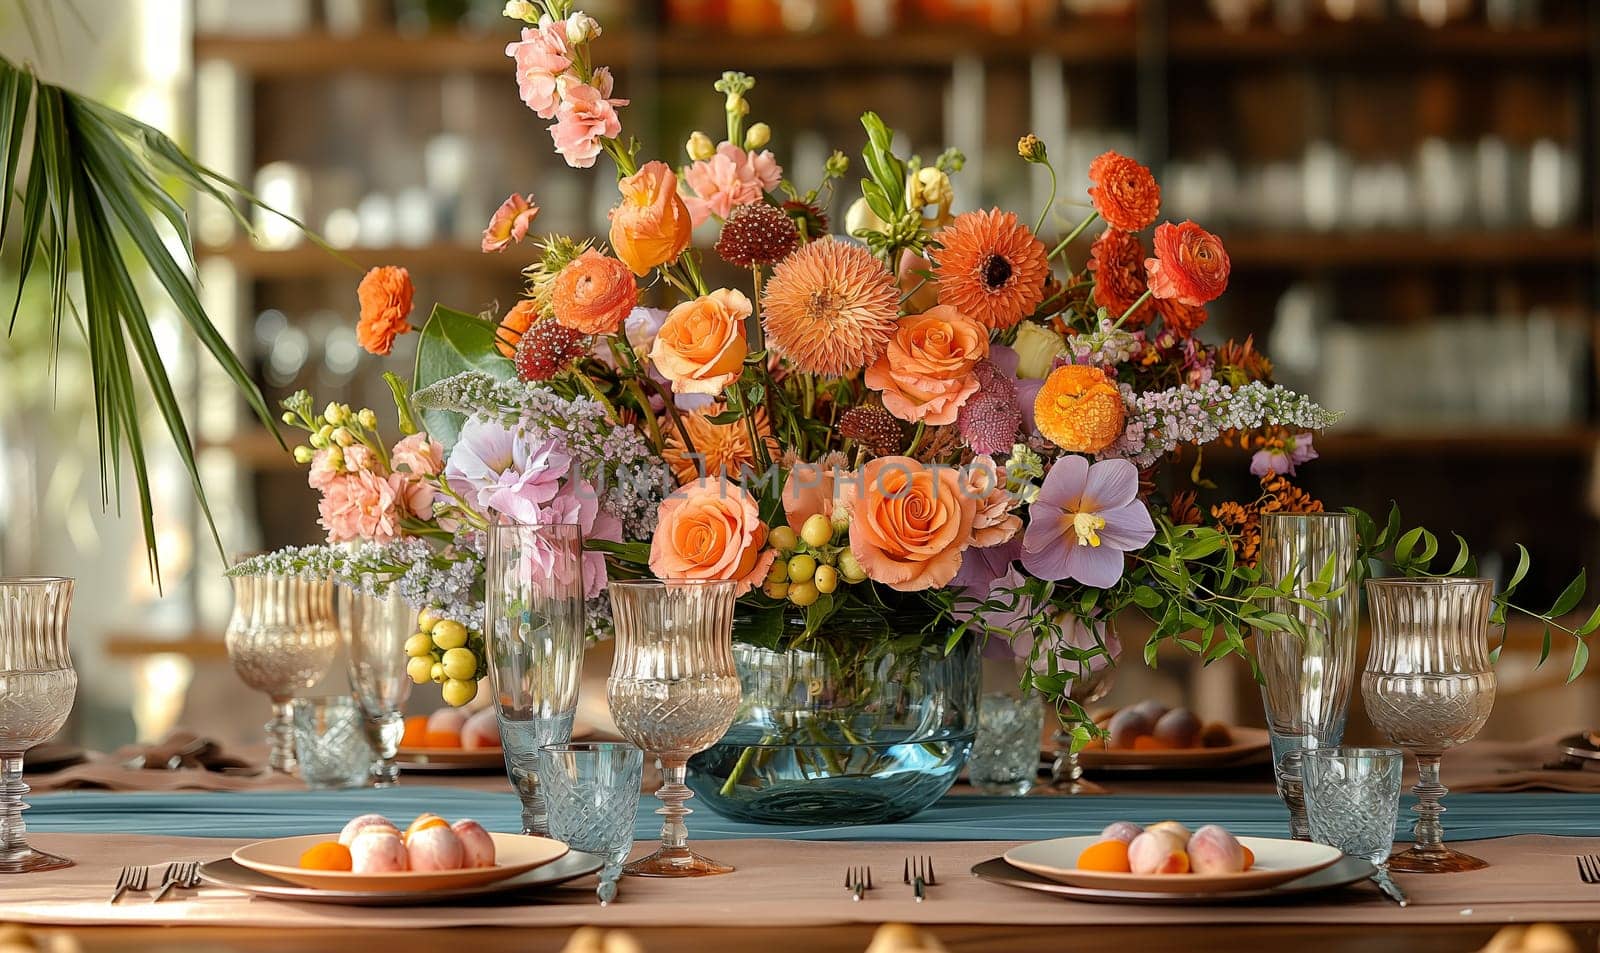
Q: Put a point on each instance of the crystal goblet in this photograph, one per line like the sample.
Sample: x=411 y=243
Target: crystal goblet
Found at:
x=37 y=686
x=281 y=639
x=534 y=639
x=1429 y=687
x=376 y=629
x=673 y=691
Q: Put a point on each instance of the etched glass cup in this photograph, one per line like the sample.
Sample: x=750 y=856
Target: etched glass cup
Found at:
x=1308 y=676
x=376 y=629
x=534 y=637
x=37 y=686
x=673 y=692
x=1005 y=753
x=331 y=744
x=1428 y=687
x=1353 y=798
x=591 y=791
x=281 y=640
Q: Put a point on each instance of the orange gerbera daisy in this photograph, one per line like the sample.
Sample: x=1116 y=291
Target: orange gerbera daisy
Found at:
x=720 y=449
x=1117 y=261
x=1079 y=409
x=385 y=294
x=990 y=267
x=830 y=308
x=1123 y=192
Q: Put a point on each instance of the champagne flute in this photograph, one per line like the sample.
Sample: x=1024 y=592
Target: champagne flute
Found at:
x=1428 y=687
x=376 y=629
x=673 y=692
x=37 y=685
x=281 y=639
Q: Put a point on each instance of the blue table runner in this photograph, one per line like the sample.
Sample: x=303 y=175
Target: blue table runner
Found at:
x=287 y=813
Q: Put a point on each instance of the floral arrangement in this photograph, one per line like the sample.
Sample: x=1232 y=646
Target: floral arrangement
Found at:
x=933 y=427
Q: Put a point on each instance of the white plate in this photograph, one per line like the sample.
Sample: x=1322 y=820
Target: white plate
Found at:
x=1277 y=861
x=280 y=858
x=225 y=873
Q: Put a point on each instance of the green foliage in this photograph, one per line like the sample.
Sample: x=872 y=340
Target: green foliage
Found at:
x=452 y=342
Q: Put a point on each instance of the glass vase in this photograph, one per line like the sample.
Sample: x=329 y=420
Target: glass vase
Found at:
x=281 y=639
x=1308 y=676
x=1429 y=686
x=842 y=731
x=37 y=687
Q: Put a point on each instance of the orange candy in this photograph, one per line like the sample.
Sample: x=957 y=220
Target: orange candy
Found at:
x=442 y=739
x=416 y=735
x=329 y=855
x=1249 y=857
x=1109 y=856
x=425 y=821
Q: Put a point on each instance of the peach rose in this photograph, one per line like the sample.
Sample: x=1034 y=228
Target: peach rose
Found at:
x=910 y=523
x=1190 y=266
x=711 y=529
x=514 y=325
x=993 y=522
x=700 y=347
x=385 y=294
x=593 y=294
x=651 y=225
x=926 y=373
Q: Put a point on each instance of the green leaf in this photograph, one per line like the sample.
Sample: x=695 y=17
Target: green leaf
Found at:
x=1544 y=649
x=1570 y=596
x=1523 y=562
x=1146 y=597
x=1463 y=556
x=452 y=342
x=1580 y=658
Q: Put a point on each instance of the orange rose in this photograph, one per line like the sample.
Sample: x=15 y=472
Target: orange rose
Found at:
x=651 y=225
x=385 y=296
x=700 y=347
x=1079 y=409
x=1123 y=192
x=910 y=523
x=593 y=294
x=711 y=529
x=926 y=374
x=514 y=325
x=1190 y=266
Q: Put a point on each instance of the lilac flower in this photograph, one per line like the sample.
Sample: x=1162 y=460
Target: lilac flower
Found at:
x=1283 y=457
x=1083 y=520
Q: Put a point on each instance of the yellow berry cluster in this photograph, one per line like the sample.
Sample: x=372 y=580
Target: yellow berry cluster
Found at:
x=336 y=428
x=447 y=653
x=813 y=562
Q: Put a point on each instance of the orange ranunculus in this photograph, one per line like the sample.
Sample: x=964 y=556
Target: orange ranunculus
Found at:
x=700 y=347
x=926 y=373
x=711 y=529
x=385 y=295
x=910 y=522
x=1190 y=266
x=1079 y=409
x=651 y=225
x=593 y=294
x=514 y=325
x=1123 y=192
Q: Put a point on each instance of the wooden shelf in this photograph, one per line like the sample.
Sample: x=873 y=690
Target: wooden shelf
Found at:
x=308 y=259
x=1397 y=41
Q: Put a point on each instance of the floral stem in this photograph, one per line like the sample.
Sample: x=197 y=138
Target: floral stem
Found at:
x=916 y=438
x=672 y=412
x=753 y=324
x=1044 y=213
x=1148 y=294
x=1062 y=245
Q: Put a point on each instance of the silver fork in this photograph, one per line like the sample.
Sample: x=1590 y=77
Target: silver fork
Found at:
x=185 y=875
x=136 y=879
x=918 y=873
x=1589 y=868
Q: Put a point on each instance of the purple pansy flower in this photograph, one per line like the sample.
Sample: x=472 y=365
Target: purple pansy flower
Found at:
x=1083 y=520
x=1283 y=457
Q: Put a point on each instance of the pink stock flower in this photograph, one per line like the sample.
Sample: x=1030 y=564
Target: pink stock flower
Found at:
x=1284 y=456
x=322 y=472
x=420 y=454
x=586 y=115
x=509 y=223
x=360 y=507
x=1083 y=521
x=542 y=56
x=415 y=496
x=731 y=177
x=358 y=457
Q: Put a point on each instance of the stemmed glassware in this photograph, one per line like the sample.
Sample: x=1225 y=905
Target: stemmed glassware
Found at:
x=1428 y=687
x=534 y=638
x=673 y=691
x=37 y=685
x=376 y=629
x=1088 y=685
x=1308 y=675
x=281 y=639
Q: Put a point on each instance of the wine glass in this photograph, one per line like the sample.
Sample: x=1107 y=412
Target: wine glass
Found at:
x=37 y=685
x=281 y=639
x=534 y=639
x=1086 y=687
x=673 y=691
x=376 y=629
x=1428 y=687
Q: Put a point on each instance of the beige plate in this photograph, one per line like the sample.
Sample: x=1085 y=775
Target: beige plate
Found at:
x=1277 y=861
x=1247 y=743
x=514 y=853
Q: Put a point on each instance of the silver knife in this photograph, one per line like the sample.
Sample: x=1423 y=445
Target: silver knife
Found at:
x=1390 y=888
